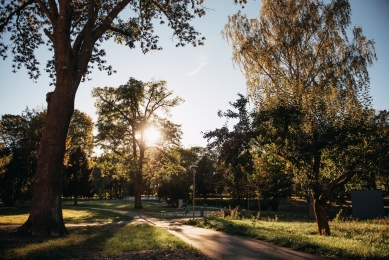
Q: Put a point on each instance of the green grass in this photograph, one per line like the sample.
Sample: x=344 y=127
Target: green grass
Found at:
x=349 y=240
x=152 y=208
x=87 y=241
x=73 y=215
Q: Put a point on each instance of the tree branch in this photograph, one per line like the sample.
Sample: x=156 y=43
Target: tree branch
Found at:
x=102 y=28
x=118 y=30
x=340 y=181
x=17 y=11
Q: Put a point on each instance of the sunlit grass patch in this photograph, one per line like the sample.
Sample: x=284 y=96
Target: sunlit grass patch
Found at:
x=71 y=216
x=349 y=240
x=142 y=237
x=82 y=242
x=89 y=216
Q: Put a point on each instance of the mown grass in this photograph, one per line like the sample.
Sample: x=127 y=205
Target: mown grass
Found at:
x=19 y=214
x=349 y=240
x=150 y=207
x=87 y=241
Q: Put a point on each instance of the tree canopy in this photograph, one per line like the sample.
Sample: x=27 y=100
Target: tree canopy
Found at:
x=310 y=87
x=126 y=112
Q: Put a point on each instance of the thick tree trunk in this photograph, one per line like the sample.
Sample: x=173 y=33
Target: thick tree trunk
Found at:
x=320 y=207
x=46 y=207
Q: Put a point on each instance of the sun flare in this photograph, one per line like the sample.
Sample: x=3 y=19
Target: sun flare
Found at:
x=152 y=135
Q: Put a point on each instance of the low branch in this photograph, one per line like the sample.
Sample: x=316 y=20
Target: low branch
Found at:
x=339 y=182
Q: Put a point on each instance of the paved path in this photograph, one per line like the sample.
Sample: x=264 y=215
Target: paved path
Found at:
x=219 y=245
x=214 y=244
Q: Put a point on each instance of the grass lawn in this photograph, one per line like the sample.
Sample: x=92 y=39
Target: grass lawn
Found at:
x=150 y=207
x=349 y=239
x=90 y=241
x=73 y=215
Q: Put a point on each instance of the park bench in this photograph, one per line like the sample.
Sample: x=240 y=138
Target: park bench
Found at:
x=181 y=212
x=163 y=212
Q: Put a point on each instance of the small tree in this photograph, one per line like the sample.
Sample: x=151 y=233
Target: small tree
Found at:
x=78 y=175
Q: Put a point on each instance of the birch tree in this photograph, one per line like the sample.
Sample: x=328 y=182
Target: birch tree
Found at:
x=307 y=75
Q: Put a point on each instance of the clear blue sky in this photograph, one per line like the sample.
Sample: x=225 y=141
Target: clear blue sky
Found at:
x=203 y=76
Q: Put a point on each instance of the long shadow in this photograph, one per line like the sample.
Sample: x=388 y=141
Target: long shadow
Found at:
x=82 y=242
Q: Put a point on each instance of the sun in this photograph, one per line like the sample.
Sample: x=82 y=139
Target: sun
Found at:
x=152 y=135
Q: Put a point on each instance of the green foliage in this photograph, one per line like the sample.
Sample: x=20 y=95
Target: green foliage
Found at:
x=233 y=147
x=80 y=133
x=88 y=24
x=310 y=88
x=274 y=176
x=125 y=113
x=20 y=137
x=78 y=176
x=204 y=177
x=110 y=176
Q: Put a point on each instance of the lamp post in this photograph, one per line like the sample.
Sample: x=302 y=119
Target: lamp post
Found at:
x=216 y=197
x=193 y=167
x=248 y=196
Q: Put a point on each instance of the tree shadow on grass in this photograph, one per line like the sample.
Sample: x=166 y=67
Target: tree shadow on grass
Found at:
x=82 y=241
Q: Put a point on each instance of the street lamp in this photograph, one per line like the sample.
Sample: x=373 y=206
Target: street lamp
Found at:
x=216 y=197
x=193 y=167
x=248 y=196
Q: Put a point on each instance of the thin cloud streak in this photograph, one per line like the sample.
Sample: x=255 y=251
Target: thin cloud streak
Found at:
x=202 y=60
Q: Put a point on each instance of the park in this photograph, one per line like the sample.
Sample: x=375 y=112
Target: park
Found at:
x=107 y=167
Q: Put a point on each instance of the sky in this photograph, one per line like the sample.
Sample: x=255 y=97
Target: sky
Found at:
x=205 y=77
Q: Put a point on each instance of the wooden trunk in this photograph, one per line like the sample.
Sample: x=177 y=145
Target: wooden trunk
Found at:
x=46 y=207
x=320 y=207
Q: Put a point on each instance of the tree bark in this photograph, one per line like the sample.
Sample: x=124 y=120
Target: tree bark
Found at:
x=46 y=206
x=320 y=207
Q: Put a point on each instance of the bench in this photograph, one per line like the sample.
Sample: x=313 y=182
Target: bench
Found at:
x=181 y=212
x=163 y=212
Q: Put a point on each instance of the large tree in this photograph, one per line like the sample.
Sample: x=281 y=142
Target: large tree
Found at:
x=127 y=113
x=309 y=83
x=73 y=31
x=233 y=146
